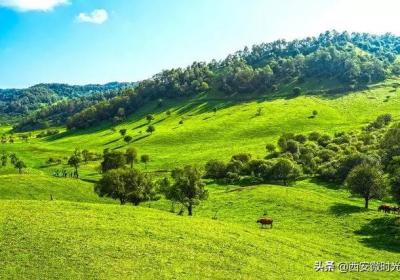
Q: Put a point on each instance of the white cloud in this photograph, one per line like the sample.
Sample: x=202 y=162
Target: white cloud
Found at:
x=97 y=16
x=32 y=5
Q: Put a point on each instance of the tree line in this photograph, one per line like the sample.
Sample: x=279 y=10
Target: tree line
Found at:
x=367 y=161
x=354 y=60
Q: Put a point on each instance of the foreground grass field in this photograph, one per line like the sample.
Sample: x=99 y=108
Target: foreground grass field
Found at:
x=65 y=240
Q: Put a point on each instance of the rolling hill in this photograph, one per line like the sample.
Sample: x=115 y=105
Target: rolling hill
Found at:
x=53 y=227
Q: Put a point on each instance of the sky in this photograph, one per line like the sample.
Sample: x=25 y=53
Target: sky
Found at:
x=99 y=41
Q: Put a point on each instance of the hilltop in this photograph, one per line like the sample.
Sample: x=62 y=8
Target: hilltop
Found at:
x=335 y=62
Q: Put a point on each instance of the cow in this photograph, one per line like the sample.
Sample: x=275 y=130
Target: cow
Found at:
x=384 y=208
x=395 y=210
x=265 y=221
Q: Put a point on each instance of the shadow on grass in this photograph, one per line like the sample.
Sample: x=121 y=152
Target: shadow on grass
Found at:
x=328 y=185
x=341 y=209
x=382 y=233
x=112 y=141
x=89 y=180
x=140 y=138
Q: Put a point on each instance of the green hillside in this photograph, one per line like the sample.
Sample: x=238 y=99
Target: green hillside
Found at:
x=305 y=133
x=204 y=135
x=92 y=241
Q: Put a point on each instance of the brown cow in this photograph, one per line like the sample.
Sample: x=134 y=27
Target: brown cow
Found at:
x=385 y=208
x=265 y=221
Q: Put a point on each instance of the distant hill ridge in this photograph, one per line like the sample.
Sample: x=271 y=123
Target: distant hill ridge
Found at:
x=26 y=100
x=347 y=61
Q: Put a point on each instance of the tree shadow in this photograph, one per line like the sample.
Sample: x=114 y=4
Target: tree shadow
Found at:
x=140 y=138
x=341 y=209
x=328 y=185
x=112 y=141
x=382 y=233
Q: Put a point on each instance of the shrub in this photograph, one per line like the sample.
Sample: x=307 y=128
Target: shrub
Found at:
x=234 y=166
x=232 y=178
x=215 y=169
x=314 y=136
x=242 y=157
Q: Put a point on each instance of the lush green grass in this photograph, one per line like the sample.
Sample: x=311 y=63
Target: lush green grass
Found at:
x=67 y=240
x=38 y=186
x=87 y=240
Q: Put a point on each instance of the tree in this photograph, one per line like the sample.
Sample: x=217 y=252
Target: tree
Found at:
x=112 y=185
x=149 y=118
x=367 y=181
x=164 y=187
x=86 y=155
x=314 y=113
x=128 y=139
x=113 y=160
x=395 y=185
x=74 y=162
x=122 y=132
x=145 y=159
x=131 y=156
x=150 y=129
x=126 y=185
x=296 y=91
x=188 y=187
x=4 y=158
x=285 y=170
x=270 y=148
x=13 y=159
x=20 y=165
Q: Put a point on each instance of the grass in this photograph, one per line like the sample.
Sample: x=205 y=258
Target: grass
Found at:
x=65 y=240
x=37 y=186
x=78 y=235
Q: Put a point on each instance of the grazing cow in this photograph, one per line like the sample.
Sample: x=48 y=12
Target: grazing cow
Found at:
x=264 y=222
x=385 y=208
x=395 y=210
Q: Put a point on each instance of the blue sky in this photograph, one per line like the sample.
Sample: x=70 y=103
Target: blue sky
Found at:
x=98 y=41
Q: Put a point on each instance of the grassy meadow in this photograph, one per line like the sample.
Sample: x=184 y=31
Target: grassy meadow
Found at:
x=78 y=235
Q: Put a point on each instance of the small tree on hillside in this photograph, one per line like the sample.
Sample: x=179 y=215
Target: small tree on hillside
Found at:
x=270 y=148
x=13 y=159
x=128 y=139
x=112 y=160
x=131 y=156
x=150 y=129
x=112 y=185
x=74 y=162
x=20 y=165
x=126 y=185
x=188 y=187
x=149 y=118
x=122 y=132
x=145 y=159
x=296 y=91
x=366 y=181
x=4 y=158
x=86 y=155
x=285 y=170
